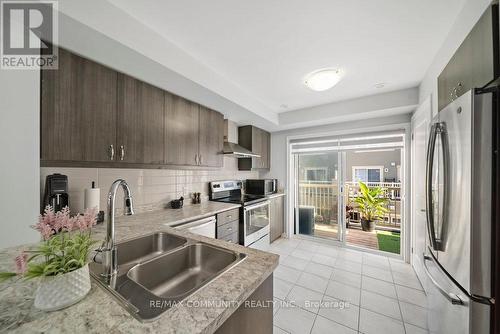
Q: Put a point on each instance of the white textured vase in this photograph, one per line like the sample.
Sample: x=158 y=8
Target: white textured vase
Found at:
x=55 y=293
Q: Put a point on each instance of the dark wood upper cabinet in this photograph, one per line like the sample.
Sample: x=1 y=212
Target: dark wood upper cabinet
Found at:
x=93 y=116
x=259 y=142
x=181 y=131
x=211 y=137
x=140 y=126
x=472 y=65
x=266 y=149
x=78 y=110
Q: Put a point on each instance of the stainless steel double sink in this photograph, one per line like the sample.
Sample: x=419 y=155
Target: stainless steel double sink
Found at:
x=159 y=270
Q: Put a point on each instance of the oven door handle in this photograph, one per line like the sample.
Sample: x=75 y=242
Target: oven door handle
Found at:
x=251 y=207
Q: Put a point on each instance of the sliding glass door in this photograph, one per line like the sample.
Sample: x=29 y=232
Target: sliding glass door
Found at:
x=318 y=195
x=329 y=174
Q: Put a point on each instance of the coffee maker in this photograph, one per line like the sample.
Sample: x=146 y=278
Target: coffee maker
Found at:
x=56 y=192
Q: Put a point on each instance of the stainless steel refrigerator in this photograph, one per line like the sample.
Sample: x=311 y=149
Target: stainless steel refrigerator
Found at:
x=458 y=258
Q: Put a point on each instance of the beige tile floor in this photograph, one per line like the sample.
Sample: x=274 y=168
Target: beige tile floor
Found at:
x=320 y=288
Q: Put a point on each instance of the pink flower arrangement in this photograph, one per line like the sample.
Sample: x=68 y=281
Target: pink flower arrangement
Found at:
x=51 y=223
x=66 y=244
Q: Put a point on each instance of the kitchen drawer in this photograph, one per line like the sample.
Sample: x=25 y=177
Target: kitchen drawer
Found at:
x=228 y=228
x=233 y=238
x=228 y=216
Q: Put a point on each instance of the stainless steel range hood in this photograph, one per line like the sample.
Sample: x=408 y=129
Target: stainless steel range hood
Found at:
x=231 y=148
x=235 y=150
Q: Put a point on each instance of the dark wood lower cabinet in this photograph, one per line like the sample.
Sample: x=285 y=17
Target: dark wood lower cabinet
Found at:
x=277 y=225
x=251 y=320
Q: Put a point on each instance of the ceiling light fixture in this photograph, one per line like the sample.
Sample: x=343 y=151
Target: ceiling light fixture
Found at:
x=380 y=85
x=323 y=79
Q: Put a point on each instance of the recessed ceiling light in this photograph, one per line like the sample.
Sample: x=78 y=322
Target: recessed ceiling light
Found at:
x=323 y=79
x=380 y=85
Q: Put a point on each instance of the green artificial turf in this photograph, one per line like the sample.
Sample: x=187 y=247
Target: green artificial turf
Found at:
x=388 y=241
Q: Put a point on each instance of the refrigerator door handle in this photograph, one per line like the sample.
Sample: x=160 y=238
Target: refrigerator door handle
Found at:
x=428 y=186
x=452 y=298
x=437 y=129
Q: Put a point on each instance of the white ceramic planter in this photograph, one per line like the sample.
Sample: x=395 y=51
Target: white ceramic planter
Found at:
x=55 y=293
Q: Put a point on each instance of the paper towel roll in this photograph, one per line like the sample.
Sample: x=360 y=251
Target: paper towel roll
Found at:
x=92 y=198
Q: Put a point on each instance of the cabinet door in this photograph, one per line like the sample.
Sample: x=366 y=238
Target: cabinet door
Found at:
x=277 y=215
x=266 y=149
x=472 y=65
x=78 y=110
x=141 y=122
x=211 y=139
x=482 y=51
x=257 y=147
x=181 y=131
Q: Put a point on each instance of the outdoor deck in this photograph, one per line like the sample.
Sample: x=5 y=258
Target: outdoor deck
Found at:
x=323 y=198
x=355 y=236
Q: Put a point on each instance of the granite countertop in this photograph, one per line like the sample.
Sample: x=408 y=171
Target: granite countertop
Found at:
x=99 y=312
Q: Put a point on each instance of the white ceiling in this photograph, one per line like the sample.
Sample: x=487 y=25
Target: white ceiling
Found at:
x=265 y=47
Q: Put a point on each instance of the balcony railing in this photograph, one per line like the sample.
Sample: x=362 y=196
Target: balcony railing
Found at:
x=323 y=196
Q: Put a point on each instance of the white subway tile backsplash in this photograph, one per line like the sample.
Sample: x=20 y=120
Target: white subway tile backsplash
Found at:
x=151 y=188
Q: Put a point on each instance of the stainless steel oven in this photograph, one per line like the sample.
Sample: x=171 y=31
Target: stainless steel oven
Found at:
x=256 y=219
x=254 y=212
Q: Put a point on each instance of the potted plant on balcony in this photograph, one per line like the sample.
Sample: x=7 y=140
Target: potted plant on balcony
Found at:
x=60 y=260
x=371 y=203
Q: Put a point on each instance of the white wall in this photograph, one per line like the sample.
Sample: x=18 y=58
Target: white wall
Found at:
x=19 y=155
x=278 y=140
x=470 y=14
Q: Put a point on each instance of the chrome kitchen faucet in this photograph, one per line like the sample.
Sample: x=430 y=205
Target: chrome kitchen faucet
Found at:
x=108 y=248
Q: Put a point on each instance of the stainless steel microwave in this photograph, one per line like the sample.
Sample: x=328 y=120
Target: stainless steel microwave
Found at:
x=261 y=186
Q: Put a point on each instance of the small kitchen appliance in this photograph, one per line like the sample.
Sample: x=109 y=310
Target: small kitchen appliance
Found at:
x=56 y=192
x=261 y=186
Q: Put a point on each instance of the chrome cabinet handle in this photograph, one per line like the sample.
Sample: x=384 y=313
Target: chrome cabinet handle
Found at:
x=196 y=159
x=122 y=152
x=200 y=160
x=111 y=152
x=453 y=298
